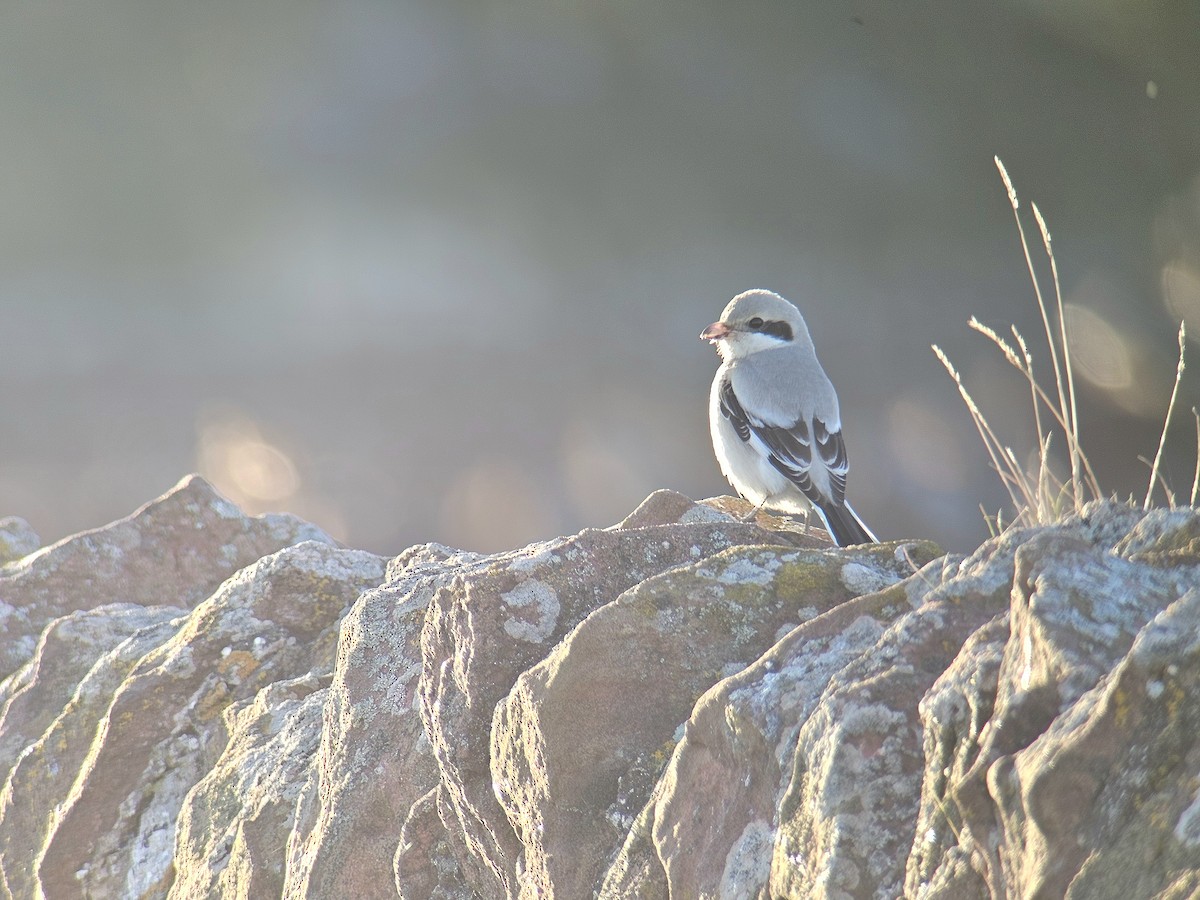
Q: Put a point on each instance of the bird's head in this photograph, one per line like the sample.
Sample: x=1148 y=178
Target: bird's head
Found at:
x=755 y=321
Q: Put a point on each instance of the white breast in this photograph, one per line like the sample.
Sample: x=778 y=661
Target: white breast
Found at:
x=749 y=471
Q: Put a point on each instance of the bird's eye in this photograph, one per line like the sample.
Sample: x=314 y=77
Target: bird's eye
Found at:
x=755 y=323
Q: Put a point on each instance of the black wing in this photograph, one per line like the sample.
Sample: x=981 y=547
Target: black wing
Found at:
x=790 y=449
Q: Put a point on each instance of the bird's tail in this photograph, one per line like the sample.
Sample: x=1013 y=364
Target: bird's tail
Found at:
x=845 y=526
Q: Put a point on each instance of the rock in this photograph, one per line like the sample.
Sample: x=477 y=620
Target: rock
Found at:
x=33 y=696
x=1101 y=788
x=581 y=739
x=426 y=866
x=17 y=539
x=1016 y=812
x=344 y=839
x=740 y=741
x=233 y=825
x=845 y=818
x=173 y=551
x=682 y=705
x=491 y=618
x=163 y=729
x=636 y=872
x=953 y=713
x=43 y=777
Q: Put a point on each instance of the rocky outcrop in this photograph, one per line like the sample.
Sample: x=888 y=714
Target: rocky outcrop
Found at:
x=172 y=552
x=205 y=704
x=124 y=707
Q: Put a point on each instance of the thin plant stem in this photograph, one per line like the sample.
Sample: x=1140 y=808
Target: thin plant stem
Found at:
x=1072 y=430
x=1037 y=288
x=1093 y=485
x=1162 y=438
x=1041 y=496
x=1196 y=477
x=1003 y=462
x=1160 y=480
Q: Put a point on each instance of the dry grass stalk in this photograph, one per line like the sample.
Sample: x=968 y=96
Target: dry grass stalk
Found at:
x=1023 y=363
x=1073 y=418
x=1038 y=497
x=1162 y=438
x=1041 y=497
x=1003 y=460
x=1066 y=407
x=1196 y=477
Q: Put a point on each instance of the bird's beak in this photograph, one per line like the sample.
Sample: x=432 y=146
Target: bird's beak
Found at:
x=715 y=332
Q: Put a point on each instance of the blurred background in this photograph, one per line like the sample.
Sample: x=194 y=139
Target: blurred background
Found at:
x=434 y=270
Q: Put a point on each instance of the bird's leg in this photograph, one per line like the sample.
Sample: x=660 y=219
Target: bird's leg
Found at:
x=749 y=517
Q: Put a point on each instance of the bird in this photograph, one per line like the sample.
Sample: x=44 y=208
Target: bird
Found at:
x=774 y=418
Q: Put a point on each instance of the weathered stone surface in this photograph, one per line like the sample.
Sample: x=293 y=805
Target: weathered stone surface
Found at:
x=846 y=818
x=636 y=871
x=682 y=705
x=740 y=741
x=583 y=736
x=1056 y=763
x=1093 y=807
x=864 y=769
x=953 y=714
x=43 y=776
x=493 y=617
x=345 y=838
x=33 y=696
x=17 y=539
x=173 y=551
x=163 y=729
x=426 y=866
x=233 y=825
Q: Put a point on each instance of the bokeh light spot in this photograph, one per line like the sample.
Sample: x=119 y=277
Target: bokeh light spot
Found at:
x=1099 y=352
x=1181 y=294
x=241 y=463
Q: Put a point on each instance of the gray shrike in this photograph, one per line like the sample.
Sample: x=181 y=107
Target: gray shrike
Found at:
x=774 y=415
